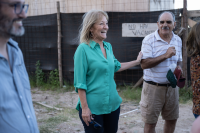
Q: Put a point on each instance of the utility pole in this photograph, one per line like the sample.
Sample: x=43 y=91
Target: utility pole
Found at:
x=59 y=46
x=185 y=35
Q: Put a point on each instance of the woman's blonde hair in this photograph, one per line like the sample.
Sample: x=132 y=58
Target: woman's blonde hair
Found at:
x=89 y=19
x=193 y=41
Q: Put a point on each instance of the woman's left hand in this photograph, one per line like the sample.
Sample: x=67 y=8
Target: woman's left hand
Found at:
x=139 y=57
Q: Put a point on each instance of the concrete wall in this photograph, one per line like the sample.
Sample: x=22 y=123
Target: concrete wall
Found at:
x=156 y=5
x=41 y=7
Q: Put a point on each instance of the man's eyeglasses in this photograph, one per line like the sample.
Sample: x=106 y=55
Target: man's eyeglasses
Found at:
x=95 y=124
x=168 y=22
x=19 y=7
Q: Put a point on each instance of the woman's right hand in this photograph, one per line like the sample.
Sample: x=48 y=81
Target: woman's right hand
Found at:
x=86 y=115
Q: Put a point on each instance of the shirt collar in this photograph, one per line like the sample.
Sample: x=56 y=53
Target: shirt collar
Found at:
x=159 y=38
x=93 y=44
x=105 y=44
x=12 y=43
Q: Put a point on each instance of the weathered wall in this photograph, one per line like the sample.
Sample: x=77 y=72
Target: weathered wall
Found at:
x=41 y=7
x=156 y=5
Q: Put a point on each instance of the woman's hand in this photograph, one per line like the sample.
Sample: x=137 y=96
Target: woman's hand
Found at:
x=139 y=57
x=86 y=115
x=127 y=65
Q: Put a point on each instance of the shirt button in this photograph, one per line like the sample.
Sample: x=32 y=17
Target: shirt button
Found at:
x=28 y=116
x=21 y=97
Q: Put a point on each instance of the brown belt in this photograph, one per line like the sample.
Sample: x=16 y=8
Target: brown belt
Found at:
x=153 y=83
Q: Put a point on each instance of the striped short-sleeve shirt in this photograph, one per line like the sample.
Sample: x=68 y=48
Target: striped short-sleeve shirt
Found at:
x=153 y=46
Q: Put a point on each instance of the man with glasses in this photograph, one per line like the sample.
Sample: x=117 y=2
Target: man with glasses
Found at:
x=16 y=109
x=160 y=49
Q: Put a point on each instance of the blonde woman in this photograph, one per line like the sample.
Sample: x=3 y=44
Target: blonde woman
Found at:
x=193 y=50
x=94 y=68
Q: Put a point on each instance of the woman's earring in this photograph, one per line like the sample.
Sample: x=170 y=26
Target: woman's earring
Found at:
x=91 y=35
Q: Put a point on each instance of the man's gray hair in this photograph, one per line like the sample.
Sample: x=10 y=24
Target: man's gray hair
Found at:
x=173 y=16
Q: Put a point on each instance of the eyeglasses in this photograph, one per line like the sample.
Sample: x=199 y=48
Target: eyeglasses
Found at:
x=96 y=125
x=168 y=22
x=19 y=7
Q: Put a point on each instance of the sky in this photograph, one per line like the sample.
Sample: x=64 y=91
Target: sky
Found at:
x=191 y=4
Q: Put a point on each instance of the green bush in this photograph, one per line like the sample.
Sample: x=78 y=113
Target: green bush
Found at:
x=44 y=81
x=54 y=78
x=185 y=95
x=32 y=80
x=39 y=74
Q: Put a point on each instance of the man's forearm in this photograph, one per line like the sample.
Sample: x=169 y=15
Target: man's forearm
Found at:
x=152 y=62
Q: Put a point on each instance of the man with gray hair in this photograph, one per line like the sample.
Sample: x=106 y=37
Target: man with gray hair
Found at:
x=160 y=49
x=16 y=109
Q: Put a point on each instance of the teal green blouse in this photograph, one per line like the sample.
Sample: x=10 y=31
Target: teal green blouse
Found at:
x=95 y=74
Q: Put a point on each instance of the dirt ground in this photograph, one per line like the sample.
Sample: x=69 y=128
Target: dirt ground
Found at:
x=67 y=121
